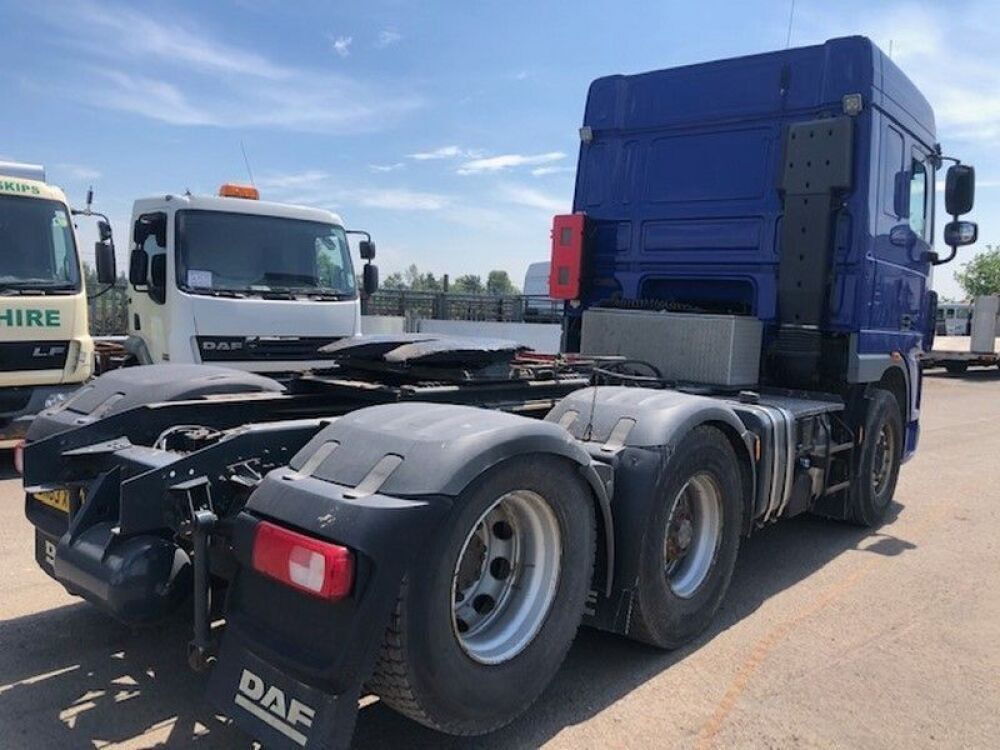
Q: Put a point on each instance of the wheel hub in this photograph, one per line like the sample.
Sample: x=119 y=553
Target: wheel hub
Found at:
x=694 y=531
x=505 y=577
x=882 y=459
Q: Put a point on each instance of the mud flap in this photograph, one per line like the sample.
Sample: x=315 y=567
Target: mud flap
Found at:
x=276 y=709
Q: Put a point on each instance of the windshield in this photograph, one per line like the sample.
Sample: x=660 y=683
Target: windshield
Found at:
x=248 y=253
x=37 y=249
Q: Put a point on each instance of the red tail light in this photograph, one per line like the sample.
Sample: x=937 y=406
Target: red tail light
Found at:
x=319 y=568
x=19 y=457
x=567 y=256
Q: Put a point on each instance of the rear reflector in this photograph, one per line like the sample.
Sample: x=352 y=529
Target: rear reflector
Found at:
x=565 y=270
x=319 y=568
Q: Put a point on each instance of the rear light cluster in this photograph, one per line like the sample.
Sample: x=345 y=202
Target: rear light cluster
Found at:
x=566 y=269
x=318 y=568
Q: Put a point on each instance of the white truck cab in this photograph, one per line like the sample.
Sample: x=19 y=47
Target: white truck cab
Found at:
x=234 y=280
x=45 y=346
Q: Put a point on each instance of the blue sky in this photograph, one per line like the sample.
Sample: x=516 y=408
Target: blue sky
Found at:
x=449 y=130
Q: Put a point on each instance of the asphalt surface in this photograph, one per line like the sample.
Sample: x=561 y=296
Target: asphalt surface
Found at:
x=831 y=636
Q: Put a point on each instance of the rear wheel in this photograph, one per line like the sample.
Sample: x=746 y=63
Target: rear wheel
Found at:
x=956 y=368
x=690 y=547
x=878 y=467
x=487 y=616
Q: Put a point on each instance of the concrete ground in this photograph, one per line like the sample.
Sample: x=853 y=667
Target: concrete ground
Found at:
x=831 y=636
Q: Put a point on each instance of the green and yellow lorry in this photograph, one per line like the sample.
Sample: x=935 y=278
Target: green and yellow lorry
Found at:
x=45 y=347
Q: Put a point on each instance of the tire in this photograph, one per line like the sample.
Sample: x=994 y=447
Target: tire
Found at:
x=956 y=368
x=874 y=481
x=673 y=607
x=457 y=683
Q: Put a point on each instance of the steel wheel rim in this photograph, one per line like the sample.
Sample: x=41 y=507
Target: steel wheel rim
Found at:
x=885 y=449
x=694 y=532
x=505 y=577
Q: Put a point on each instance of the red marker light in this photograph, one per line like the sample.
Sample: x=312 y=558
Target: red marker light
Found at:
x=318 y=568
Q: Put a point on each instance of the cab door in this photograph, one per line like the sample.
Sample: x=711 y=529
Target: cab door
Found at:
x=147 y=318
x=903 y=229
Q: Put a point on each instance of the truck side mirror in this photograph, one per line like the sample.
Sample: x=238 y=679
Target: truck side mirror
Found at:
x=104 y=257
x=138 y=267
x=158 y=278
x=370 y=279
x=956 y=234
x=960 y=189
x=367 y=249
x=960 y=233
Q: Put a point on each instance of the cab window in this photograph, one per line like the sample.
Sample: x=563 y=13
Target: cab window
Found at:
x=919 y=199
x=892 y=164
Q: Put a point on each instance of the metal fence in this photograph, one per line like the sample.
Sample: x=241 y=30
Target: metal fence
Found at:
x=109 y=310
x=450 y=306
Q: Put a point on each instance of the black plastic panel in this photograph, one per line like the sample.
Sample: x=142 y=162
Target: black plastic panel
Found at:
x=817 y=168
x=33 y=355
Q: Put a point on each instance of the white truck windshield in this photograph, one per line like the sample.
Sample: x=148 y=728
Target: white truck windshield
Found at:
x=37 y=248
x=249 y=253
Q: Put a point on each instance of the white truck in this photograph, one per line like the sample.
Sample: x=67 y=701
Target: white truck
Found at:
x=234 y=280
x=956 y=353
x=45 y=347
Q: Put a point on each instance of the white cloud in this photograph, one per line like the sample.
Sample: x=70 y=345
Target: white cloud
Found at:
x=521 y=75
x=293 y=180
x=79 y=171
x=523 y=195
x=138 y=34
x=386 y=167
x=342 y=45
x=387 y=38
x=444 y=152
x=155 y=99
x=402 y=199
x=508 y=161
x=542 y=171
x=171 y=70
x=316 y=187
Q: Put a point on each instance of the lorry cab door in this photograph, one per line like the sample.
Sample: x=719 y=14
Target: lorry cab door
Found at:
x=148 y=314
x=902 y=238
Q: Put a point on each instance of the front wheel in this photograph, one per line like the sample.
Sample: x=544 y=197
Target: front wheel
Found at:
x=689 y=550
x=878 y=466
x=487 y=615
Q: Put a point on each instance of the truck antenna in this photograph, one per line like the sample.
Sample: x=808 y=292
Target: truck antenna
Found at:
x=246 y=160
x=791 y=17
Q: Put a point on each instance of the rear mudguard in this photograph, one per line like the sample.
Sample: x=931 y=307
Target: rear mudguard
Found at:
x=381 y=481
x=118 y=391
x=637 y=431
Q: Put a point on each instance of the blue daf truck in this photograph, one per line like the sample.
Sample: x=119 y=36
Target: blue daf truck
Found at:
x=745 y=279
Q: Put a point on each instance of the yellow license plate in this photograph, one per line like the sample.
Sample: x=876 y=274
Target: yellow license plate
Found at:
x=58 y=499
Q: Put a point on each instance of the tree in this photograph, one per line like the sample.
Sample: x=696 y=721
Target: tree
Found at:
x=470 y=283
x=498 y=284
x=416 y=281
x=981 y=275
x=393 y=281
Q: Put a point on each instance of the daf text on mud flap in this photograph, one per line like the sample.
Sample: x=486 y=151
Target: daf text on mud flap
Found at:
x=270 y=706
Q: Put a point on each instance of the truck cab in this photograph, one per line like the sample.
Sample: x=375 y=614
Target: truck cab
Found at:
x=45 y=347
x=794 y=187
x=234 y=280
